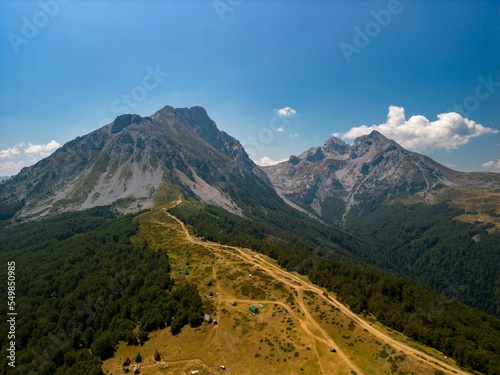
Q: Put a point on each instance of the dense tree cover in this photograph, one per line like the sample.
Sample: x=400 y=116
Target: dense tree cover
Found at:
x=8 y=209
x=468 y=335
x=81 y=287
x=423 y=243
x=271 y=229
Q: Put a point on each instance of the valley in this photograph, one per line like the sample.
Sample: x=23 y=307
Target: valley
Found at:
x=296 y=326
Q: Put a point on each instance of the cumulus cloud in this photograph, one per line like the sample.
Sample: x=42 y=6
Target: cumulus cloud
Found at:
x=280 y=130
x=9 y=153
x=22 y=155
x=266 y=161
x=294 y=135
x=417 y=133
x=10 y=168
x=42 y=150
x=492 y=164
x=286 y=112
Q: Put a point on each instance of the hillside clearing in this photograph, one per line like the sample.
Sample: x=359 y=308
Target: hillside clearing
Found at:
x=292 y=333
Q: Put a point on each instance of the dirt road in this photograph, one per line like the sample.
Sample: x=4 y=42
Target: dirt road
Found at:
x=307 y=322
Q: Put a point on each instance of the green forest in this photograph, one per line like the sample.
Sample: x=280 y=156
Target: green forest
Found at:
x=428 y=246
x=81 y=287
x=463 y=333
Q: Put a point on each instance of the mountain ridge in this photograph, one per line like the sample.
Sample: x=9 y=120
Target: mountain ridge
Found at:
x=126 y=162
x=373 y=167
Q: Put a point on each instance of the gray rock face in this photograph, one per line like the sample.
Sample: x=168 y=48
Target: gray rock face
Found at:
x=332 y=179
x=121 y=122
x=127 y=162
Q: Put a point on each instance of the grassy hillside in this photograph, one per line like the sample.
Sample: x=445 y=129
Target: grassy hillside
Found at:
x=296 y=326
x=468 y=335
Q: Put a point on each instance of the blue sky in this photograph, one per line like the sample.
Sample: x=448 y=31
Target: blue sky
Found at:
x=280 y=76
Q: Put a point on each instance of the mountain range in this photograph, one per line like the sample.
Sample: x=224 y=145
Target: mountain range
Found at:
x=365 y=221
x=333 y=179
x=385 y=206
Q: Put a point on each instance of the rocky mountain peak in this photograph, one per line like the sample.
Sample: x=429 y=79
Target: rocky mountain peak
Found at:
x=198 y=119
x=163 y=114
x=196 y=116
x=371 y=145
x=374 y=138
x=335 y=146
x=127 y=161
x=315 y=154
x=341 y=175
x=122 y=121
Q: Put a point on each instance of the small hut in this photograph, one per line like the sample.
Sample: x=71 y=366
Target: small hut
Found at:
x=186 y=262
x=157 y=355
x=233 y=303
x=136 y=370
x=138 y=358
x=126 y=362
x=253 y=309
x=185 y=272
x=208 y=283
x=208 y=318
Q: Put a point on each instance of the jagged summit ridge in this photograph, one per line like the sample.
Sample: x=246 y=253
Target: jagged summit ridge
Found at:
x=342 y=175
x=127 y=162
x=121 y=122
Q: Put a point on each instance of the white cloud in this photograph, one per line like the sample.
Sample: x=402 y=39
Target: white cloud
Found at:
x=42 y=150
x=286 y=112
x=280 y=130
x=9 y=153
x=492 y=164
x=22 y=155
x=10 y=168
x=294 y=135
x=265 y=161
x=448 y=132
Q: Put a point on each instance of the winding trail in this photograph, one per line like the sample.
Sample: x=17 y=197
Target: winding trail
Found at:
x=307 y=322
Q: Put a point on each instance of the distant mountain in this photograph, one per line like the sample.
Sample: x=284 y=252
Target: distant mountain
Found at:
x=3 y=178
x=422 y=220
x=333 y=179
x=135 y=160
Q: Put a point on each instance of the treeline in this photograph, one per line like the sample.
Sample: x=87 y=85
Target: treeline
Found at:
x=425 y=244
x=81 y=287
x=467 y=335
